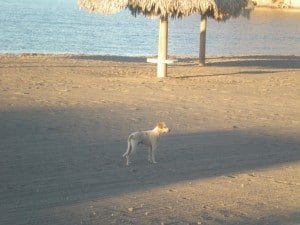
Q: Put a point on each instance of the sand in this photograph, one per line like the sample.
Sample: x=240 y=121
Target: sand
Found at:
x=233 y=156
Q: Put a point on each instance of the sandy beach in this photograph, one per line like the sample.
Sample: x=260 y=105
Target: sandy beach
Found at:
x=233 y=156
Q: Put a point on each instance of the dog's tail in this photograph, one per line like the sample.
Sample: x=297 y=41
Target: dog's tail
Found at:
x=129 y=147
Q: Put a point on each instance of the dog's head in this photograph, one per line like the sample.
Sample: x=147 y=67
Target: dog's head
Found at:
x=162 y=127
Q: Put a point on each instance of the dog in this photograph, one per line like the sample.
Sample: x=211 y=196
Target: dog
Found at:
x=148 y=138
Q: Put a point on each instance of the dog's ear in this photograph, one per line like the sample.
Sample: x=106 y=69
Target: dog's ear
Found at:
x=160 y=125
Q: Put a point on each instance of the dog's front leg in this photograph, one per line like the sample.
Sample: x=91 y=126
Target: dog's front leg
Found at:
x=153 y=151
x=150 y=154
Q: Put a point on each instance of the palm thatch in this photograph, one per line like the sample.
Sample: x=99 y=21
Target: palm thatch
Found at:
x=103 y=6
x=217 y=9
x=173 y=8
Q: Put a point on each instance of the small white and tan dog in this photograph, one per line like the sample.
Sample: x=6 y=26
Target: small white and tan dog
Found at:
x=148 y=138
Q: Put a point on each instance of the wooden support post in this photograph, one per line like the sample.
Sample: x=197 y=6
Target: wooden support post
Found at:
x=162 y=47
x=202 y=40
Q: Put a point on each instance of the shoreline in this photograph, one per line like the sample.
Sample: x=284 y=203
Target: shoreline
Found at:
x=24 y=54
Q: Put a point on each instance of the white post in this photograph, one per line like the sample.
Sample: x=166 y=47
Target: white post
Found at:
x=162 y=48
x=202 y=40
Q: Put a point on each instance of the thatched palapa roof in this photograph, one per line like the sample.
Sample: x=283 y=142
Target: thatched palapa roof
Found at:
x=172 y=8
x=217 y=9
x=103 y=6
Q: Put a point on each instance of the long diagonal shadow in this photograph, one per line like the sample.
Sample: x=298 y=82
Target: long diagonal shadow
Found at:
x=49 y=161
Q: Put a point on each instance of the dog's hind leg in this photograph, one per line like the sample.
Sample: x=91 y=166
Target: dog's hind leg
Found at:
x=128 y=148
x=128 y=152
x=133 y=147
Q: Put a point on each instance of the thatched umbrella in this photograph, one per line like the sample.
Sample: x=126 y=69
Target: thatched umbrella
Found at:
x=165 y=9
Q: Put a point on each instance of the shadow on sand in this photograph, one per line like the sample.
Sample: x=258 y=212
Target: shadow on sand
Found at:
x=278 y=62
x=263 y=61
x=60 y=157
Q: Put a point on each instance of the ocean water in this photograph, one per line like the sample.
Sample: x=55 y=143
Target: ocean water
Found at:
x=60 y=26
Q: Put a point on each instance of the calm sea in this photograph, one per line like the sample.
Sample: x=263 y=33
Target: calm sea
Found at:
x=59 y=26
